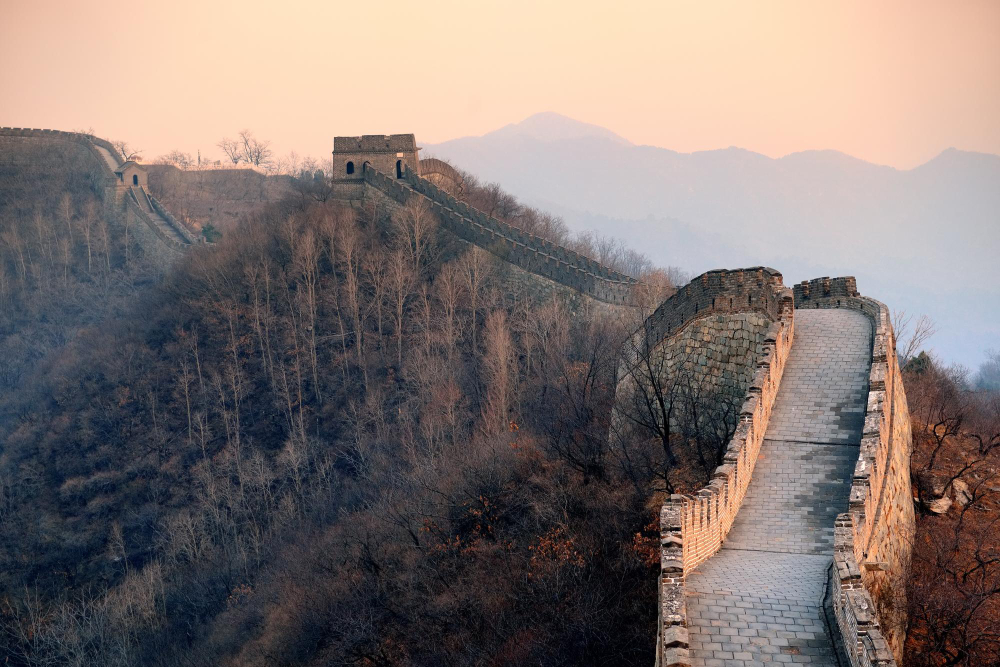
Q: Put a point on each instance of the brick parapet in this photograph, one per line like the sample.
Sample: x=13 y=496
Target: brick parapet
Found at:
x=433 y=166
x=85 y=140
x=873 y=539
x=756 y=288
x=694 y=526
x=524 y=250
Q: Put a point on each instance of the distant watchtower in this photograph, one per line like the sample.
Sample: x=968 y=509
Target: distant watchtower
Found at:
x=391 y=154
x=131 y=173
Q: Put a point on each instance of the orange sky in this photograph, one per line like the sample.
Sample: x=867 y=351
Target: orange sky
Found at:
x=891 y=82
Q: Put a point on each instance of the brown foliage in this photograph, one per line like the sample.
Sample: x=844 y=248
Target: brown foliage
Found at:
x=333 y=438
x=954 y=588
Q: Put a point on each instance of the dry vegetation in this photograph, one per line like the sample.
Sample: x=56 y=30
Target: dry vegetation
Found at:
x=334 y=437
x=341 y=437
x=954 y=591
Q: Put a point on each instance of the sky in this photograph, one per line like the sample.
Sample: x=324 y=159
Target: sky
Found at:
x=891 y=82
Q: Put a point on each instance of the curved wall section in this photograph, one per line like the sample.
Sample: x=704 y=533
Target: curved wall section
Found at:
x=744 y=302
x=758 y=289
x=440 y=173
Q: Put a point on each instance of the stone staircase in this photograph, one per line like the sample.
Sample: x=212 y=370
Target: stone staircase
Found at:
x=141 y=198
x=759 y=599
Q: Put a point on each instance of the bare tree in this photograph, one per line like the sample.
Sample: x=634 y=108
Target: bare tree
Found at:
x=255 y=151
x=415 y=228
x=911 y=336
x=232 y=149
x=126 y=151
x=499 y=373
x=176 y=158
x=988 y=376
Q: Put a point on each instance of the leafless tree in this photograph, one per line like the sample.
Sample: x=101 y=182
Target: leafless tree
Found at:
x=415 y=225
x=232 y=149
x=255 y=151
x=176 y=158
x=911 y=336
x=500 y=374
x=126 y=151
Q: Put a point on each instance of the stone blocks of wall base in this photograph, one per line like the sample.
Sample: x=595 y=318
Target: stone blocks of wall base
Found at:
x=869 y=602
x=171 y=220
x=693 y=527
x=132 y=208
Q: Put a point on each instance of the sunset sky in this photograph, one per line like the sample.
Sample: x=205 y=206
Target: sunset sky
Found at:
x=890 y=82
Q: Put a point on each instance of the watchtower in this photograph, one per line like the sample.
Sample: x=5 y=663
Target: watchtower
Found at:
x=391 y=154
x=131 y=173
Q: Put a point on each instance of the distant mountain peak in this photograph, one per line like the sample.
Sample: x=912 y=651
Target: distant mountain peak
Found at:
x=552 y=126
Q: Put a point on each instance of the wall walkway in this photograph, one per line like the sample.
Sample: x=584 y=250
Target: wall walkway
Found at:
x=760 y=598
x=799 y=549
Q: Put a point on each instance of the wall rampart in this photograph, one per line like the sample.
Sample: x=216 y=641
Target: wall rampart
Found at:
x=510 y=244
x=85 y=140
x=694 y=526
x=133 y=208
x=438 y=172
x=91 y=142
x=757 y=288
x=171 y=220
x=873 y=539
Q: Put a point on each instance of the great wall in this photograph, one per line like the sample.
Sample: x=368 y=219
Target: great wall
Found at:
x=798 y=549
x=124 y=184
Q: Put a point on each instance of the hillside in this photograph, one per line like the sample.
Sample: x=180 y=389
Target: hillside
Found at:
x=924 y=240
x=334 y=437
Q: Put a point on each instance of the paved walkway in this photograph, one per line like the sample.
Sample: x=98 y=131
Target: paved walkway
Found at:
x=112 y=160
x=759 y=599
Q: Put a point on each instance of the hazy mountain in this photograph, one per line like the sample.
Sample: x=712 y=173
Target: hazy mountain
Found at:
x=925 y=240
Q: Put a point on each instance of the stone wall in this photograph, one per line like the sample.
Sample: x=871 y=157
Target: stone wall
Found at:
x=526 y=251
x=693 y=526
x=443 y=175
x=720 y=350
x=734 y=329
x=85 y=140
x=757 y=289
x=113 y=190
x=873 y=539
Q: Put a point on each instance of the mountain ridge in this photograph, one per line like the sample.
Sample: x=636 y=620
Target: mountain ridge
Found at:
x=923 y=239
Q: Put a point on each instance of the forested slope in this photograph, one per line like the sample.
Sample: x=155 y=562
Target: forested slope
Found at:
x=335 y=437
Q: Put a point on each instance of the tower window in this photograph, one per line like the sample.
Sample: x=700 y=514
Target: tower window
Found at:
x=350 y=167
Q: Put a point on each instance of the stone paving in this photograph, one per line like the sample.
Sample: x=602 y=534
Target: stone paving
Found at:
x=759 y=600
x=108 y=157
